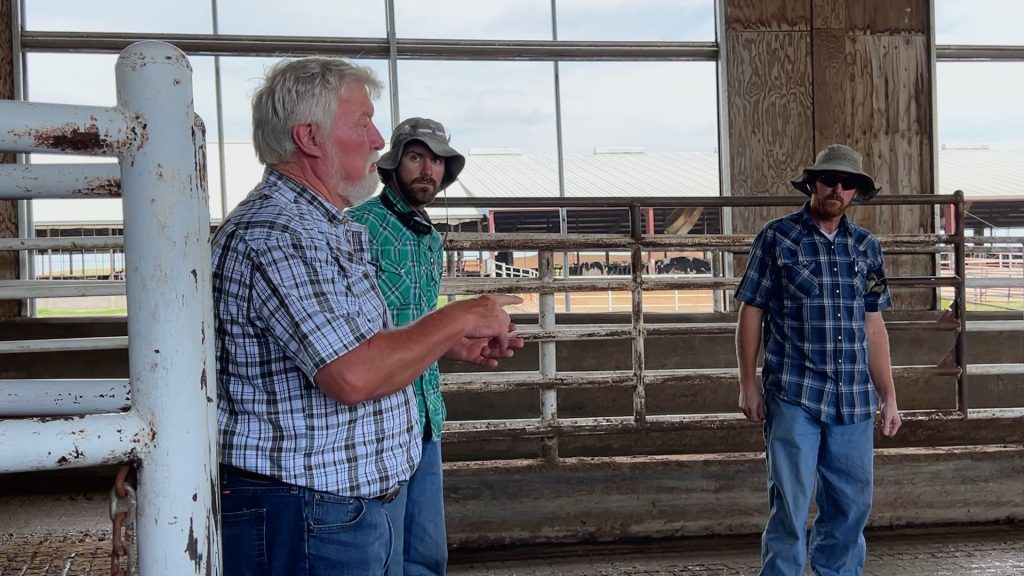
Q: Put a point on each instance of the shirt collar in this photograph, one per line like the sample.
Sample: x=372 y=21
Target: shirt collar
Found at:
x=330 y=212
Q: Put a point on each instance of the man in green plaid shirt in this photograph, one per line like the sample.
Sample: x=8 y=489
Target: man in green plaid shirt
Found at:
x=407 y=253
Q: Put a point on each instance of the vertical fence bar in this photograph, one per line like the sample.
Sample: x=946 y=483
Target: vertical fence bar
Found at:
x=637 y=297
x=960 y=304
x=548 y=396
x=170 y=312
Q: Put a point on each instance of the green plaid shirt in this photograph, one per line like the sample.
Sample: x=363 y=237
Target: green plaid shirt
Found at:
x=409 y=276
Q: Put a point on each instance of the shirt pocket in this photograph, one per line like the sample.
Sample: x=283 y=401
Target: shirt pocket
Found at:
x=799 y=275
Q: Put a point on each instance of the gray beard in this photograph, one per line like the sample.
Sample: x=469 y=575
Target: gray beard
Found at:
x=362 y=190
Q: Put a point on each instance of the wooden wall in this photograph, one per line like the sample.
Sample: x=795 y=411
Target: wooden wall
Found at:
x=802 y=74
x=8 y=208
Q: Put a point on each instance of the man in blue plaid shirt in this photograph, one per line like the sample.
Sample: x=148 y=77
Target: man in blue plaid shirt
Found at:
x=815 y=286
x=318 y=421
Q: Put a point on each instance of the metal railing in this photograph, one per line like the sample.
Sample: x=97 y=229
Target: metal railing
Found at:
x=549 y=427
x=163 y=418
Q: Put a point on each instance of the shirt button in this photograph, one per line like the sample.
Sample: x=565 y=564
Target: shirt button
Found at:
x=839 y=315
x=840 y=337
x=837 y=291
x=835 y=269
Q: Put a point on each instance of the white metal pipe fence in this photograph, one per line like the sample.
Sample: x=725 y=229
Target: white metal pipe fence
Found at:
x=170 y=431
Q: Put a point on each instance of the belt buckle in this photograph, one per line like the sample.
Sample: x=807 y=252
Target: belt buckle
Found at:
x=389 y=496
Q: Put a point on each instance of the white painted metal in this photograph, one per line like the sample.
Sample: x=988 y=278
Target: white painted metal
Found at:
x=29 y=181
x=63 y=243
x=46 y=398
x=28 y=444
x=13 y=289
x=63 y=128
x=548 y=369
x=170 y=431
x=64 y=344
x=170 y=313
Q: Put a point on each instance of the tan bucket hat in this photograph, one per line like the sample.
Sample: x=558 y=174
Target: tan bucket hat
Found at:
x=838 y=158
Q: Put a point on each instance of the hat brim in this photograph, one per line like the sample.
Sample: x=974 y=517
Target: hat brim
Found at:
x=866 y=189
x=453 y=161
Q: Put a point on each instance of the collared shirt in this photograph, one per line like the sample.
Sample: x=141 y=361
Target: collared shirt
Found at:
x=409 y=269
x=293 y=291
x=814 y=293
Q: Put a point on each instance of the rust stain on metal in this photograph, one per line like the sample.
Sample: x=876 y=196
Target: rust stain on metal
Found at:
x=100 y=187
x=192 y=545
x=70 y=137
x=202 y=380
x=75 y=454
x=195 y=277
x=159 y=172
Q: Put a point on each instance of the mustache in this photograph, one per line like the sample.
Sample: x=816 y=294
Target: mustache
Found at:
x=425 y=180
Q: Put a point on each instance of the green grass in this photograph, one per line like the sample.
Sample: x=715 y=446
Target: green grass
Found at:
x=59 y=312
x=985 y=307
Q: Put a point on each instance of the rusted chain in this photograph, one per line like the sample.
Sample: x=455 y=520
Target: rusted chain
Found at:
x=122 y=514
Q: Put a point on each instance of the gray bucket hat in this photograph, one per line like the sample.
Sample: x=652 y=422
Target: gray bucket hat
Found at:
x=838 y=158
x=434 y=136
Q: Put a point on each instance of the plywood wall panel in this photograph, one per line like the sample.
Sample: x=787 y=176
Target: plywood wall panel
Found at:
x=770 y=129
x=766 y=15
x=887 y=16
x=828 y=14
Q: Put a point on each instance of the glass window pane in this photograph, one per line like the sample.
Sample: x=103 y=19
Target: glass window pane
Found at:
x=645 y=20
x=489 y=20
x=971 y=112
x=357 y=18
x=501 y=116
x=979 y=22
x=644 y=129
x=240 y=79
x=88 y=79
x=181 y=16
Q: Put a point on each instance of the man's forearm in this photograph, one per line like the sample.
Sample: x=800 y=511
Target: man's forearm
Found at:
x=748 y=342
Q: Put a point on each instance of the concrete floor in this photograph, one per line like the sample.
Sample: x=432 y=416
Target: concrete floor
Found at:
x=68 y=533
x=949 y=551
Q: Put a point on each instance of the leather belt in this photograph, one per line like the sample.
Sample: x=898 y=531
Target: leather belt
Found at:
x=387 y=497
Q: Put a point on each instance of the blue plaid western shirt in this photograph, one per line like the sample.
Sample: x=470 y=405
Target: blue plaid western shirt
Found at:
x=293 y=290
x=409 y=276
x=814 y=293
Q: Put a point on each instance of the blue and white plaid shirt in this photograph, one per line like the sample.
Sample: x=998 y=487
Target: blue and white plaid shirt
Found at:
x=814 y=293
x=293 y=291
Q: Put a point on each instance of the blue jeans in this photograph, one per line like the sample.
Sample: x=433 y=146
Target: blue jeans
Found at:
x=274 y=528
x=838 y=458
x=421 y=539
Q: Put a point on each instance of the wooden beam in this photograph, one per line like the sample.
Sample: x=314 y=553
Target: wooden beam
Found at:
x=681 y=220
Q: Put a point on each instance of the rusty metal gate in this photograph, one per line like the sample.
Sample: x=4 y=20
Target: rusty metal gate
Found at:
x=549 y=427
x=163 y=418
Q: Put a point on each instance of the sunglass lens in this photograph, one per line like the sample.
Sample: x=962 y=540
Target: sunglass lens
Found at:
x=844 y=181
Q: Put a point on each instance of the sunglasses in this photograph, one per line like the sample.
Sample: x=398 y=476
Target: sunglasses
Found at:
x=845 y=181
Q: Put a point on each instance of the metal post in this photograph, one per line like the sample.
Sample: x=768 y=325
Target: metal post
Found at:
x=548 y=396
x=960 y=303
x=637 y=294
x=167 y=252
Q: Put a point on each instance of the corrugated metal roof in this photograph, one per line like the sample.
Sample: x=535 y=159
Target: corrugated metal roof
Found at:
x=981 y=173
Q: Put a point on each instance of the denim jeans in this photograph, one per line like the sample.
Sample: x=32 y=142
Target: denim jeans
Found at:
x=421 y=539
x=274 y=528
x=838 y=459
